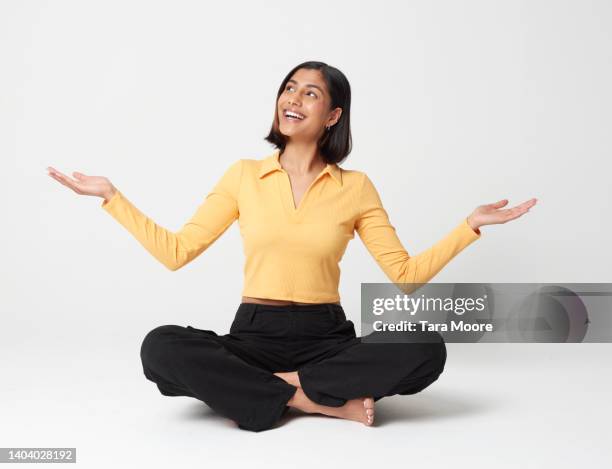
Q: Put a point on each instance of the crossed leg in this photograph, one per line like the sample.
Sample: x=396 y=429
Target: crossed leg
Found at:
x=379 y=365
x=200 y=364
x=360 y=410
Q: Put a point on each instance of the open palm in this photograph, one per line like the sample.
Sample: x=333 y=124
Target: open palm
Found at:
x=98 y=186
x=491 y=214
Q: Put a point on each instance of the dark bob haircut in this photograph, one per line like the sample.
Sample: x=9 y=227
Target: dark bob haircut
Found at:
x=336 y=143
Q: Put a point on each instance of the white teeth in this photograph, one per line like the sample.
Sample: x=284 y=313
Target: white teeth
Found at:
x=294 y=114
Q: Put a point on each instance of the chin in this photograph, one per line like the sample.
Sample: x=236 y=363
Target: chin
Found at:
x=286 y=132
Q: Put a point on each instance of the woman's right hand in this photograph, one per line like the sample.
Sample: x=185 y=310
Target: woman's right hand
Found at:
x=98 y=186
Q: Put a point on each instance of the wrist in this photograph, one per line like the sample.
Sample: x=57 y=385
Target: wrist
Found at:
x=109 y=194
x=473 y=225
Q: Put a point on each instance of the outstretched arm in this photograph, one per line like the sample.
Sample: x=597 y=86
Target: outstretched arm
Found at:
x=381 y=240
x=176 y=249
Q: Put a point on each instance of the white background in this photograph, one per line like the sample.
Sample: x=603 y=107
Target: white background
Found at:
x=455 y=104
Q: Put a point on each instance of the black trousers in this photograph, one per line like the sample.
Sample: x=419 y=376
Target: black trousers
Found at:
x=233 y=373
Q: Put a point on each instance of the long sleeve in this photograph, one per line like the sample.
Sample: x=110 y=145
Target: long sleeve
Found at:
x=380 y=238
x=176 y=249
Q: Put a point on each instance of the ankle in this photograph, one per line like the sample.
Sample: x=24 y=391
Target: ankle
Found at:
x=300 y=401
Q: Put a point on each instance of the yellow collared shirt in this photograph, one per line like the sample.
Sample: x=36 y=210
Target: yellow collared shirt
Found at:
x=291 y=253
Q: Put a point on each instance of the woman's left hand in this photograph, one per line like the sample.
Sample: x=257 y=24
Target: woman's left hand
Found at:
x=492 y=214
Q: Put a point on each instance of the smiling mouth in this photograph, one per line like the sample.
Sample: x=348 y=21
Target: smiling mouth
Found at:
x=293 y=116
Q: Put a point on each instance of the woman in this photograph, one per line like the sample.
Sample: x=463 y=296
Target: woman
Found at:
x=290 y=344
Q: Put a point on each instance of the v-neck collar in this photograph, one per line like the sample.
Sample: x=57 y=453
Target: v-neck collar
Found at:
x=272 y=163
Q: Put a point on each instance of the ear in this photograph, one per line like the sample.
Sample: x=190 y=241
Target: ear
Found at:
x=334 y=116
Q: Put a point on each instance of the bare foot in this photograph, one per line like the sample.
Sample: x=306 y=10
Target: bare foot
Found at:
x=359 y=410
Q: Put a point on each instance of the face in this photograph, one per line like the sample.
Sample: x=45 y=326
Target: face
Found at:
x=306 y=94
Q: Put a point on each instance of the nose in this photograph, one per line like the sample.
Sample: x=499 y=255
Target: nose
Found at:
x=292 y=101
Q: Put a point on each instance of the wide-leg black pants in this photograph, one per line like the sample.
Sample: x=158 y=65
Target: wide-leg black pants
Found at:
x=233 y=373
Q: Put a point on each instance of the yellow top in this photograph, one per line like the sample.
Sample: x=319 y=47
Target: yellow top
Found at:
x=292 y=253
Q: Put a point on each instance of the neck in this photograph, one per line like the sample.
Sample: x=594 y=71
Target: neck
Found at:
x=301 y=157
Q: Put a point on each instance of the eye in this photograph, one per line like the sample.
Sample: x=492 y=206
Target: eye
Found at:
x=310 y=92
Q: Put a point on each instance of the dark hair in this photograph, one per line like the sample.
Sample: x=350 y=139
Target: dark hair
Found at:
x=336 y=143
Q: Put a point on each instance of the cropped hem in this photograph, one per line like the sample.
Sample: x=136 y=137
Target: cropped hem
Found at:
x=296 y=298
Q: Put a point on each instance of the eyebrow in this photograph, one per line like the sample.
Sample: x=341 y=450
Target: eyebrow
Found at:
x=307 y=84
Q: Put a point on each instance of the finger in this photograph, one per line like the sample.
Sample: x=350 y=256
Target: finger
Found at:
x=527 y=204
x=65 y=178
x=498 y=204
x=58 y=173
x=57 y=178
x=78 y=175
x=75 y=186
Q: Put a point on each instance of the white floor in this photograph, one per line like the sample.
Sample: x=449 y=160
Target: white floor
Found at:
x=496 y=405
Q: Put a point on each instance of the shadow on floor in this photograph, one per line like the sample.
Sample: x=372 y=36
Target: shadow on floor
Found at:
x=392 y=409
